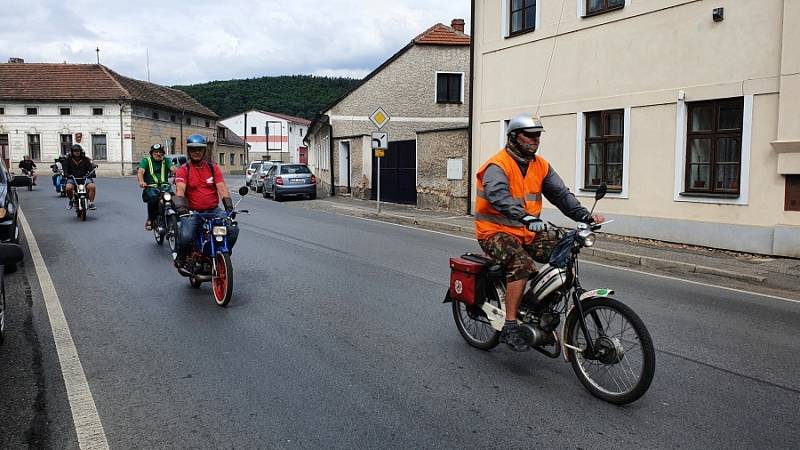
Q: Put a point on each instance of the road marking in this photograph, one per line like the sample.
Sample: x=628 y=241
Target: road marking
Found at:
x=741 y=291
x=84 y=412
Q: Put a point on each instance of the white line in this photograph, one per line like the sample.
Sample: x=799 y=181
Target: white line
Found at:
x=84 y=412
x=742 y=291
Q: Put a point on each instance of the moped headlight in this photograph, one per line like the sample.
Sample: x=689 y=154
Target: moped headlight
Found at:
x=220 y=231
x=167 y=196
x=586 y=238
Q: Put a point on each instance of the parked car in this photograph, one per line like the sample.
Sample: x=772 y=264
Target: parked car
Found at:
x=248 y=174
x=258 y=177
x=178 y=160
x=283 y=180
x=10 y=254
x=9 y=228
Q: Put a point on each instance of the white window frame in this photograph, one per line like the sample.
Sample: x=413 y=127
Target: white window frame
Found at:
x=505 y=13
x=582 y=8
x=102 y=111
x=68 y=108
x=681 y=126
x=343 y=181
x=31 y=107
x=580 y=156
x=325 y=154
x=436 y=86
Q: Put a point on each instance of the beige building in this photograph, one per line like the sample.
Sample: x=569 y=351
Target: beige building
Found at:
x=228 y=151
x=689 y=110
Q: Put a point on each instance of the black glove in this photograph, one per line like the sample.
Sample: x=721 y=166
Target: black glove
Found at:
x=533 y=223
x=227 y=203
x=180 y=205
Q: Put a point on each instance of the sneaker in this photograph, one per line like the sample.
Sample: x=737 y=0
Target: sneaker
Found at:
x=512 y=336
x=70 y=205
x=91 y=206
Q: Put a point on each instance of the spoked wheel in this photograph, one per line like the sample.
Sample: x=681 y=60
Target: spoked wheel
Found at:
x=473 y=324
x=222 y=279
x=621 y=370
x=195 y=283
x=172 y=233
x=82 y=214
x=157 y=235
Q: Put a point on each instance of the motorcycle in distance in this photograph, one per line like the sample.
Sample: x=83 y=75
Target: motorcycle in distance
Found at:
x=210 y=259
x=61 y=181
x=80 y=197
x=166 y=224
x=29 y=174
x=607 y=344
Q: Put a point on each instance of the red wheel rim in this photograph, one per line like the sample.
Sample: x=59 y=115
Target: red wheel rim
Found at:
x=220 y=280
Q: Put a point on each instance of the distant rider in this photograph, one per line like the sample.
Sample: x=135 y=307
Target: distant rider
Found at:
x=199 y=186
x=29 y=166
x=57 y=166
x=153 y=172
x=509 y=202
x=79 y=166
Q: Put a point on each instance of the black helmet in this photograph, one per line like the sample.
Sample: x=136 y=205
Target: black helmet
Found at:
x=76 y=147
x=156 y=148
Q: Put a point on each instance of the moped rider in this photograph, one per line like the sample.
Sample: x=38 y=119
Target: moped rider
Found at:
x=199 y=186
x=510 y=186
x=78 y=165
x=153 y=170
x=58 y=167
x=29 y=167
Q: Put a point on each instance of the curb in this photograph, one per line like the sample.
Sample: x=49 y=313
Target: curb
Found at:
x=609 y=255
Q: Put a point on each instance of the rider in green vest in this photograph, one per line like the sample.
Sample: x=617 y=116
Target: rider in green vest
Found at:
x=153 y=173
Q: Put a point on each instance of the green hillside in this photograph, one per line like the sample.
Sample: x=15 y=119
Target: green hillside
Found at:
x=296 y=95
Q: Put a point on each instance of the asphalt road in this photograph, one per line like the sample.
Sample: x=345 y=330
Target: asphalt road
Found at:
x=337 y=338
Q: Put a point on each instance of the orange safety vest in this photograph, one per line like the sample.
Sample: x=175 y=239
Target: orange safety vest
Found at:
x=526 y=190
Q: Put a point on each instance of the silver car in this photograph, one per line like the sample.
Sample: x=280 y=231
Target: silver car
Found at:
x=284 y=180
x=258 y=177
x=248 y=174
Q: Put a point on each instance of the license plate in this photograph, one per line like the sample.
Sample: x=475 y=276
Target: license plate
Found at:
x=296 y=180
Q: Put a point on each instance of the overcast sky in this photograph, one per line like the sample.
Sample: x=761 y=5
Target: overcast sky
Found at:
x=196 y=41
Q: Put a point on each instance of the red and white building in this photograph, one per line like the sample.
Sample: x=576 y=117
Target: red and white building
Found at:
x=278 y=136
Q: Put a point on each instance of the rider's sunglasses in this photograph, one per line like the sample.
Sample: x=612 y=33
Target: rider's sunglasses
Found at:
x=531 y=134
x=196 y=150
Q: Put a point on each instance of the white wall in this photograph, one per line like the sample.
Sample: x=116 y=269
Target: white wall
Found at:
x=288 y=142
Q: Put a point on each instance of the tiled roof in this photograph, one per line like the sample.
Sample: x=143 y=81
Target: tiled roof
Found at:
x=87 y=82
x=230 y=138
x=441 y=34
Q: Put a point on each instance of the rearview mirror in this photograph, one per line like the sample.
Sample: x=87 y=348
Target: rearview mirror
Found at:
x=10 y=254
x=244 y=190
x=601 y=192
x=20 y=181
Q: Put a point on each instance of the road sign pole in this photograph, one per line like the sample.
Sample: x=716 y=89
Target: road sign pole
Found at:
x=379 y=184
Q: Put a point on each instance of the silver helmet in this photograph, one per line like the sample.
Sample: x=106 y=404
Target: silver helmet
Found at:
x=524 y=121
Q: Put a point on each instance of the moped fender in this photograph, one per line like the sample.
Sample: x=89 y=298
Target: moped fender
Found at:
x=602 y=292
x=588 y=295
x=170 y=212
x=496 y=316
x=447 y=298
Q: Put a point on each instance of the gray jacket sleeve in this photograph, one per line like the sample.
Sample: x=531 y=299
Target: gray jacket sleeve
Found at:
x=557 y=193
x=495 y=187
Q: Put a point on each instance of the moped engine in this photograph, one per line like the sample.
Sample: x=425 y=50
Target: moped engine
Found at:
x=535 y=335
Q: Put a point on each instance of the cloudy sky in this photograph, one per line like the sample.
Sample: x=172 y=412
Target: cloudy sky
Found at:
x=203 y=40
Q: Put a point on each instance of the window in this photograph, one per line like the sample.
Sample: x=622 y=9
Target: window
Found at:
x=604 y=149
x=64 y=111
x=172 y=143
x=448 y=87
x=522 y=17
x=34 y=147
x=172 y=117
x=294 y=169
x=714 y=147
x=2 y=111
x=99 y=149
x=155 y=115
x=208 y=124
x=233 y=159
x=32 y=111
x=253 y=130
x=188 y=121
x=66 y=143
x=600 y=6
x=221 y=159
x=792 y=193
x=97 y=111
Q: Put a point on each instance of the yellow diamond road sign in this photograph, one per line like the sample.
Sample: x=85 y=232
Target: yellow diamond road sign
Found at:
x=379 y=118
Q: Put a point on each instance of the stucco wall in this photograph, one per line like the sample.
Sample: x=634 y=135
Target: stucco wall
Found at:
x=147 y=132
x=434 y=190
x=685 y=53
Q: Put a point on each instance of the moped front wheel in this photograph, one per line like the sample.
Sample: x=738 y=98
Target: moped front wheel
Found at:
x=158 y=231
x=473 y=325
x=172 y=233
x=222 y=279
x=624 y=362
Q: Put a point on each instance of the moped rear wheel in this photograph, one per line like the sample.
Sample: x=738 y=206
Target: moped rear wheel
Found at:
x=474 y=326
x=222 y=279
x=625 y=362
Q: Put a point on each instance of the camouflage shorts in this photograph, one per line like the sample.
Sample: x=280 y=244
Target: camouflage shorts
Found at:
x=515 y=258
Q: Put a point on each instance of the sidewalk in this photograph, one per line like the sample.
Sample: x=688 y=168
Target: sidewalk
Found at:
x=767 y=274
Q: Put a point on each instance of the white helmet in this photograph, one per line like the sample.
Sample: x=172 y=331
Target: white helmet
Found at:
x=524 y=121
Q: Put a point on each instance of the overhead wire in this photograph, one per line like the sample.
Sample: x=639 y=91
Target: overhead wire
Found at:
x=550 y=60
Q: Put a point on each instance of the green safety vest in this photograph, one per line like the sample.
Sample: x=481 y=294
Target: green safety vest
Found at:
x=153 y=173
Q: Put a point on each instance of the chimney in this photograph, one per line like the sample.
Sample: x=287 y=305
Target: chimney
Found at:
x=16 y=60
x=457 y=24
